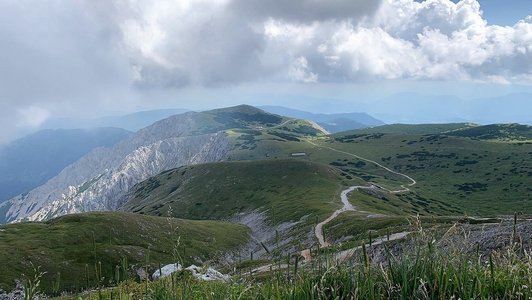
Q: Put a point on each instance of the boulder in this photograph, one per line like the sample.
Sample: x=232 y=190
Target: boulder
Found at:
x=208 y=274
x=166 y=271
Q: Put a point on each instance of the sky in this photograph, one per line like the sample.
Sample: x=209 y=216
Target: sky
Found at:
x=89 y=58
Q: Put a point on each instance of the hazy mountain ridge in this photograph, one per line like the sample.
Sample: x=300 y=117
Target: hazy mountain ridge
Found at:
x=416 y=108
x=99 y=180
x=132 y=122
x=331 y=122
x=32 y=160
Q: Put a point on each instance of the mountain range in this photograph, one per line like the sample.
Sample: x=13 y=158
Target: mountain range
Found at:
x=99 y=180
x=417 y=108
x=32 y=160
x=331 y=122
x=205 y=186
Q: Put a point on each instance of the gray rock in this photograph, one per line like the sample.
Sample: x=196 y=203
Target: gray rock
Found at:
x=166 y=271
x=208 y=274
x=16 y=294
x=141 y=273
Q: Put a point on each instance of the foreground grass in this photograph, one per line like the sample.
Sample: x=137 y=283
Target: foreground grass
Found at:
x=420 y=273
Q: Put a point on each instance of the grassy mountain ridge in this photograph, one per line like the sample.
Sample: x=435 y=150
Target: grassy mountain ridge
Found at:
x=73 y=245
x=455 y=174
x=502 y=132
x=287 y=189
x=192 y=137
x=331 y=122
x=408 y=129
x=280 y=200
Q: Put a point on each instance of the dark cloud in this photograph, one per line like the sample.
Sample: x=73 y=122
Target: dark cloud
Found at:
x=306 y=10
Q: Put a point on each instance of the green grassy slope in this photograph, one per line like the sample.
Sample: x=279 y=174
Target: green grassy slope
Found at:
x=286 y=189
x=72 y=245
x=455 y=174
x=211 y=121
x=501 y=132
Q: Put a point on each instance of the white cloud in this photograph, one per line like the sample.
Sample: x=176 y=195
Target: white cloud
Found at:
x=172 y=44
x=32 y=116
x=300 y=71
x=434 y=39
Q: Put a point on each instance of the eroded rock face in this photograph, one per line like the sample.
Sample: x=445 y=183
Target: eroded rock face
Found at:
x=99 y=180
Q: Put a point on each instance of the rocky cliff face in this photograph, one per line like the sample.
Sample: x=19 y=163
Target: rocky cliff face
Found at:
x=99 y=180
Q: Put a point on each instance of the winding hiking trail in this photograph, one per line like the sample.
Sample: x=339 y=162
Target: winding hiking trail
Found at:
x=403 y=187
x=318 y=230
x=347 y=206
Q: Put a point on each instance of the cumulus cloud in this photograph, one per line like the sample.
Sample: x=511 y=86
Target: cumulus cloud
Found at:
x=177 y=43
x=434 y=39
x=196 y=42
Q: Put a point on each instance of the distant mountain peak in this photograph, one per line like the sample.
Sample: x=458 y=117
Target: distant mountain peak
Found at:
x=332 y=122
x=243 y=108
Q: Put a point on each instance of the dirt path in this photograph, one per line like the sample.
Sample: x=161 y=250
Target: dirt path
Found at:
x=347 y=206
x=403 y=187
x=318 y=230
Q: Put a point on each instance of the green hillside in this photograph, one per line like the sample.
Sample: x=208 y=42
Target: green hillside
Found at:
x=454 y=174
x=280 y=200
x=287 y=190
x=286 y=175
x=74 y=245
